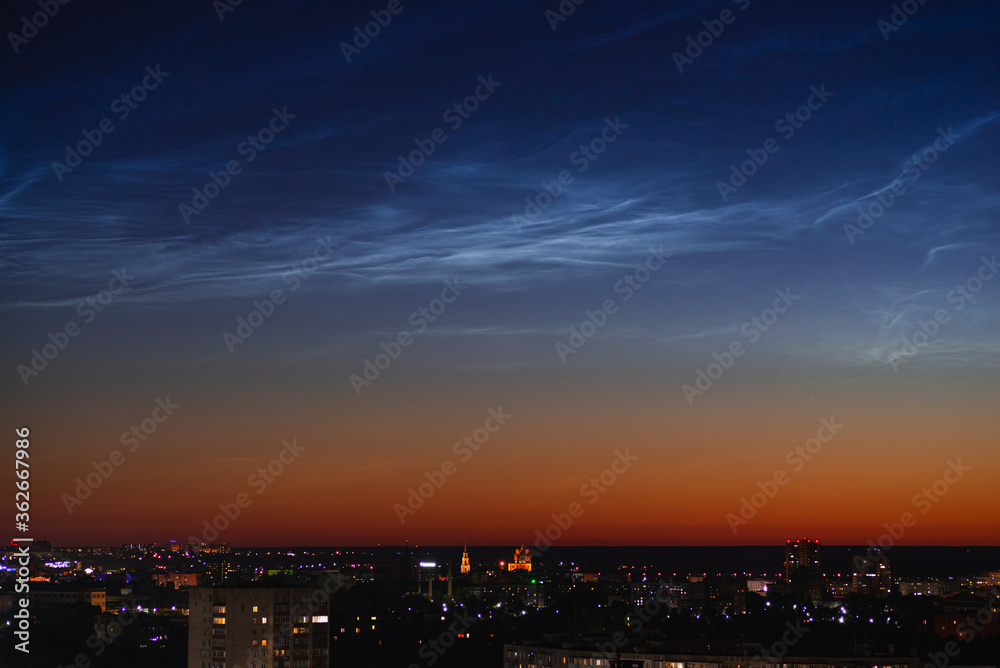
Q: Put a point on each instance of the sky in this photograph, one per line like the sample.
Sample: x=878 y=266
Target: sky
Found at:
x=616 y=273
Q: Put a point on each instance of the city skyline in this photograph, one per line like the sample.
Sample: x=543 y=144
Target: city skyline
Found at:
x=215 y=607
x=713 y=274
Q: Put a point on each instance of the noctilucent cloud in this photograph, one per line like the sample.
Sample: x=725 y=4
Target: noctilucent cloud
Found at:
x=460 y=258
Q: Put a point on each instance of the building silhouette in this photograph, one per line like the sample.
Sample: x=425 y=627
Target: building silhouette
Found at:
x=803 y=573
x=276 y=627
x=871 y=577
x=465 y=559
x=522 y=560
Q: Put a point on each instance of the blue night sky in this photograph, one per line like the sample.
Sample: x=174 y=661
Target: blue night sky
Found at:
x=906 y=126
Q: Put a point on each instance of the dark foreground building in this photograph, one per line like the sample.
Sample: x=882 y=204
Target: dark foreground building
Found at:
x=258 y=627
x=524 y=656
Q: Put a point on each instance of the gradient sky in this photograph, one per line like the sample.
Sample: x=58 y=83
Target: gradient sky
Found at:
x=830 y=355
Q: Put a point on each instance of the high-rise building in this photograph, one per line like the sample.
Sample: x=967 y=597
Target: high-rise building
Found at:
x=872 y=577
x=267 y=627
x=802 y=568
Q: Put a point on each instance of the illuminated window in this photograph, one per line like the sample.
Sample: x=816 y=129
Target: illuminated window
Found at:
x=218 y=620
x=321 y=619
x=255 y=608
